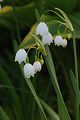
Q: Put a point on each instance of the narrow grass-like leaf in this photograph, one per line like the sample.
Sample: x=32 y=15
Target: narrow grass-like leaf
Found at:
x=62 y=112
x=77 y=94
x=53 y=115
x=36 y=97
x=12 y=92
x=3 y=115
x=75 y=57
x=74 y=83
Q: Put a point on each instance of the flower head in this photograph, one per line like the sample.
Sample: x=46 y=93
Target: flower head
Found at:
x=37 y=66
x=47 y=39
x=64 y=43
x=58 y=40
x=41 y=29
x=21 y=56
x=29 y=70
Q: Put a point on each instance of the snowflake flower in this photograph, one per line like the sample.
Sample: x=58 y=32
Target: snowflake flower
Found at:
x=37 y=66
x=21 y=56
x=58 y=40
x=64 y=43
x=41 y=29
x=29 y=70
x=47 y=39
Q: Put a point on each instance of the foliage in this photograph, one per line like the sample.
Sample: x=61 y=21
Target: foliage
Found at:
x=17 y=103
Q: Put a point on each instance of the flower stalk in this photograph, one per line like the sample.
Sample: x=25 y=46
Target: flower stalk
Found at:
x=75 y=57
x=76 y=75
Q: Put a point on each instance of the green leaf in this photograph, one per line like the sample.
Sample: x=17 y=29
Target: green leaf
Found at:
x=3 y=115
x=14 y=97
x=53 y=115
x=63 y=113
x=74 y=84
x=36 y=97
x=77 y=94
x=29 y=40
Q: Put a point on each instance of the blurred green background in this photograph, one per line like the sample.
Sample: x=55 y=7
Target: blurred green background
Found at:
x=16 y=19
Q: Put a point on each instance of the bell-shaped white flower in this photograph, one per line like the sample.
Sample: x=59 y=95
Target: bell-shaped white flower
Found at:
x=58 y=40
x=41 y=29
x=47 y=39
x=21 y=56
x=64 y=43
x=29 y=70
x=37 y=66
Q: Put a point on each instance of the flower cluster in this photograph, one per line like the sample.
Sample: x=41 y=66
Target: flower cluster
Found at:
x=21 y=55
x=29 y=69
x=47 y=38
x=43 y=31
x=59 y=41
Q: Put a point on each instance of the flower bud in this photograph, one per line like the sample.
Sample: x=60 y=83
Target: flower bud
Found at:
x=47 y=39
x=21 y=56
x=29 y=70
x=41 y=29
x=37 y=66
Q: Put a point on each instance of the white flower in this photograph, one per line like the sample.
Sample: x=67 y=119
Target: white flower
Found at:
x=29 y=70
x=21 y=56
x=64 y=43
x=47 y=39
x=41 y=29
x=37 y=66
x=58 y=40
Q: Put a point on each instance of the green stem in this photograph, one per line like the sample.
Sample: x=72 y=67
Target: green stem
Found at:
x=75 y=58
x=76 y=74
x=30 y=85
x=77 y=109
x=51 y=69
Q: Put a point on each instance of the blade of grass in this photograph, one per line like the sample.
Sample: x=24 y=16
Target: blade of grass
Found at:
x=12 y=92
x=53 y=115
x=77 y=94
x=75 y=57
x=36 y=97
x=63 y=113
x=3 y=115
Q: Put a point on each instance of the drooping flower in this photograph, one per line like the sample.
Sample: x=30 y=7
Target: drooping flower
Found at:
x=64 y=43
x=21 y=56
x=58 y=40
x=29 y=70
x=41 y=29
x=47 y=39
x=37 y=66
